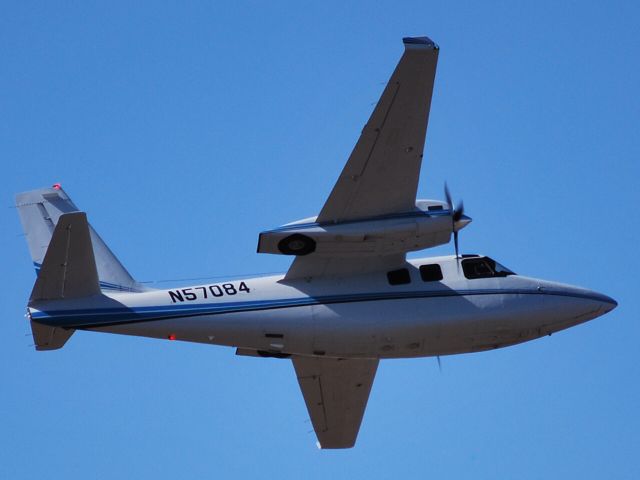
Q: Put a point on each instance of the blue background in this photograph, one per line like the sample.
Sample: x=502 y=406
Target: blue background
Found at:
x=186 y=128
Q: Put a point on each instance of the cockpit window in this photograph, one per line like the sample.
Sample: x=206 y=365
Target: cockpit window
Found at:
x=500 y=269
x=484 y=267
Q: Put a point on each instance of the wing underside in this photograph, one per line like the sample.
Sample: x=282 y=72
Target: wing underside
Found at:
x=336 y=393
x=381 y=175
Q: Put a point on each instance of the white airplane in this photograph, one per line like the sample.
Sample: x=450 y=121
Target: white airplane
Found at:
x=350 y=297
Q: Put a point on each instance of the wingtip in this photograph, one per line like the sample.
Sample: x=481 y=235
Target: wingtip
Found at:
x=420 y=42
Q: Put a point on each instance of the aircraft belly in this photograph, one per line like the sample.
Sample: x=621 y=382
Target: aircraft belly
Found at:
x=274 y=330
x=518 y=318
x=387 y=328
x=441 y=325
x=382 y=328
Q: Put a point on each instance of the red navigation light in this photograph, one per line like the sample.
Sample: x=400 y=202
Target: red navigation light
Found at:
x=172 y=336
x=56 y=186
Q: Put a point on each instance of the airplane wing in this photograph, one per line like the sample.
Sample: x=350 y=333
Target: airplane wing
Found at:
x=381 y=175
x=336 y=393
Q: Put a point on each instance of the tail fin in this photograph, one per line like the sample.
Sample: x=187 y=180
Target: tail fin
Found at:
x=68 y=271
x=40 y=211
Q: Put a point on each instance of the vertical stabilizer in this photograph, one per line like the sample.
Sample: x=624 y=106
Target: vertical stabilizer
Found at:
x=39 y=212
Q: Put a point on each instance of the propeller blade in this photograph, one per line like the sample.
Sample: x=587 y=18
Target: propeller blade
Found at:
x=447 y=196
x=455 y=242
x=456 y=216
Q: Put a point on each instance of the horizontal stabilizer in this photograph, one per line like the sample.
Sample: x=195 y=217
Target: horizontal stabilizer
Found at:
x=69 y=267
x=49 y=338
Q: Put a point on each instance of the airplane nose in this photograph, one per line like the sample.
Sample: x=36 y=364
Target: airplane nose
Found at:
x=607 y=302
x=594 y=303
x=577 y=304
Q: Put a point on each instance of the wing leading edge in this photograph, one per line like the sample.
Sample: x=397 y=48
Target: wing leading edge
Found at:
x=336 y=392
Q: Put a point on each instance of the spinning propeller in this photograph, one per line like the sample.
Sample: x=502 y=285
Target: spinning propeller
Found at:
x=456 y=215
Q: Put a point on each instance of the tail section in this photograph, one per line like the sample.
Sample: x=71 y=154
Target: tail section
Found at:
x=71 y=259
x=68 y=271
x=40 y=211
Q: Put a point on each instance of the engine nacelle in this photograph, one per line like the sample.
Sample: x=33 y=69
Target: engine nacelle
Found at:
x=429 y=225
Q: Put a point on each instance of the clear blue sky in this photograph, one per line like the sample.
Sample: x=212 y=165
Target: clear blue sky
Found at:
x=185 y=128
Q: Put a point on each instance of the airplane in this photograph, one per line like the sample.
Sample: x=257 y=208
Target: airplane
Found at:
x=350 y=297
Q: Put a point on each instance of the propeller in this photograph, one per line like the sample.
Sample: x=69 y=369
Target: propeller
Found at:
x=456 y=215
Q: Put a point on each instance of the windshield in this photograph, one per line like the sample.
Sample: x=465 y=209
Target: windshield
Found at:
x=484 y=267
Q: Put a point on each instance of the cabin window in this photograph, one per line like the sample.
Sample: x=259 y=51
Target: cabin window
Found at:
x=431 y=273
x=399 y=277
x=484 y=267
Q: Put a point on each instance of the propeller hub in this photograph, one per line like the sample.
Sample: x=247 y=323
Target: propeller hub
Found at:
x=462 y=222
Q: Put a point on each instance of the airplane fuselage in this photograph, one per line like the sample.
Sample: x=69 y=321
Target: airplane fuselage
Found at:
x=357 y=317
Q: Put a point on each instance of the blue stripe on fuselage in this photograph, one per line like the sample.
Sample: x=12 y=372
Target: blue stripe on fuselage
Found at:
x=96 y=317
x=103 y=285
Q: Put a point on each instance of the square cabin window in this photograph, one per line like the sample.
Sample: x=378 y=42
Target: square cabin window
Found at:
x=431 y=273
x=399 y=277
